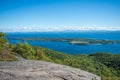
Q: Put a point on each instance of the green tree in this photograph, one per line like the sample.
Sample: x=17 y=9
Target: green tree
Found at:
x=2 y=39
x=4 y=49
x=25 y=50
x=40 y=53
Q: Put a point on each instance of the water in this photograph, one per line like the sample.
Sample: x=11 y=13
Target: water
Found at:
x=68 y=48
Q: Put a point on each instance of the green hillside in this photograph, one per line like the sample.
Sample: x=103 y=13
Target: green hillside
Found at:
x=103 y=64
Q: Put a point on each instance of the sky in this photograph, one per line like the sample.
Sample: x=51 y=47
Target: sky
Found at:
x=59 y=15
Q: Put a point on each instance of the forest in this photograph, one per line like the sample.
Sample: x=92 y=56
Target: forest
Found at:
x=103 y=64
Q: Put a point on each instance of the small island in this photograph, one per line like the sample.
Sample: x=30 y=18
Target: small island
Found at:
x=76 y=41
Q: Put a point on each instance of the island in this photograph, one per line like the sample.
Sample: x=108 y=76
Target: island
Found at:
x=77 y=41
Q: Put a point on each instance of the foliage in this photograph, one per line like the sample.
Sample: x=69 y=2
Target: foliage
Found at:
x=7 y=57
x=2 y=39
x=112 y=61
x=84 y=62
x=4 y=49
x=40 y=54
x=25 y=50
x=95 y=63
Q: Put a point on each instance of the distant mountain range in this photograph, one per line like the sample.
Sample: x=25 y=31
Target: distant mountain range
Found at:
x=52 y=29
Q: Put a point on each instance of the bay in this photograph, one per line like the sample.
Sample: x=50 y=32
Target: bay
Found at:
x=68 y=48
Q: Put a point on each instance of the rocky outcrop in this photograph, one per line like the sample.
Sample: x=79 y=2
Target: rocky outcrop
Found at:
x=40 y=70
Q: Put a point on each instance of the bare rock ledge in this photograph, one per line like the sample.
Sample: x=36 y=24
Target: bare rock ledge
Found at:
x=40 y=70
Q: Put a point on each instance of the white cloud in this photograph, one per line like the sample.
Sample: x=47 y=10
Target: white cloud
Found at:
x=24 y=28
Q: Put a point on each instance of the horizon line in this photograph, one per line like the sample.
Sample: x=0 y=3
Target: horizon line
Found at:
x=64 y=31
x=56 y=29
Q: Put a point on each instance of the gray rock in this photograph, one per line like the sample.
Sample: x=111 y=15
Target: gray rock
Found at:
x=40 y=70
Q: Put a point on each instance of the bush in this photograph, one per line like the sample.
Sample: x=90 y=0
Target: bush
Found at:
x=25 y=50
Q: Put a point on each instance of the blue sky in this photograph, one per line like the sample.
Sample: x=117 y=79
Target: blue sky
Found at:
x=41 y=15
